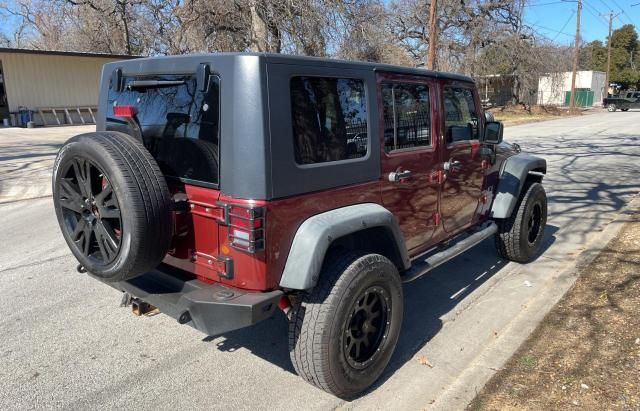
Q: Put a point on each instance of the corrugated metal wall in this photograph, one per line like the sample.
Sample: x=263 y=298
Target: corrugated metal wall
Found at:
x=40 y=80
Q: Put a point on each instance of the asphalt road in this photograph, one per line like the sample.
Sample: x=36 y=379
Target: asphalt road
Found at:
x=65 y=343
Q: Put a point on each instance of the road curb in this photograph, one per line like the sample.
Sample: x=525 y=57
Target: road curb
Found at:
x=473 y=378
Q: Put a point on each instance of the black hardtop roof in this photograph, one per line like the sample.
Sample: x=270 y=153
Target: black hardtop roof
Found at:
x=321 y=61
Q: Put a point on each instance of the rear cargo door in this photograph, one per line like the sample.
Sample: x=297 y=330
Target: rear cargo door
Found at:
x=177 y=120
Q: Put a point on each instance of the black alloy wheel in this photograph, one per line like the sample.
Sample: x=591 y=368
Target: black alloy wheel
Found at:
x=343 y=331
x=112 y=204
x=91 y=211
x=520 y=237
x=367 y=327
x=534 y=223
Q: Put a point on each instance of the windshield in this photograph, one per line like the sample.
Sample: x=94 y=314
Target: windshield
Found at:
x=178 y=124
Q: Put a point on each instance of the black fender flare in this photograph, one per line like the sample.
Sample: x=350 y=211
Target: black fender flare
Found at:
x=513 y=175
x=316 y=234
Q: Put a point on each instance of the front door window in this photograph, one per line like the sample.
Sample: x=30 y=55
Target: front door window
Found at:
x=462 y=158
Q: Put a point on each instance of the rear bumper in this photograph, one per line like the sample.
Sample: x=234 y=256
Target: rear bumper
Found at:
x=211 y=308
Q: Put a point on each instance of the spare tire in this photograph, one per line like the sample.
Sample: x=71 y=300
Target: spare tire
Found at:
x=113 y=205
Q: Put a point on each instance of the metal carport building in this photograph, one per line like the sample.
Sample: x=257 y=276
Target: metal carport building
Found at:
x=58 y=87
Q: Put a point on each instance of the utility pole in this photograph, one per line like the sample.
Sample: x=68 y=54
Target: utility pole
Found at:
x=606 y=81
x=572 y=101
x=433 y=35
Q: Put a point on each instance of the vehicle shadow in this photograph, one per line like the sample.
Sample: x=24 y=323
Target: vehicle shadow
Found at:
x=426 y=301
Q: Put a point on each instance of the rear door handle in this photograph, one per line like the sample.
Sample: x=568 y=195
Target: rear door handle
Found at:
x=454 y=165
x=396 y=176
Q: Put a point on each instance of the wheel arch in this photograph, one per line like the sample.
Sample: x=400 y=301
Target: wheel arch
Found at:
x=368 y=227
x=515 y=173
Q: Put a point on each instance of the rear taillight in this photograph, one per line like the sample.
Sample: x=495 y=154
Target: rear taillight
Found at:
x=246 y=227
x=124 y=111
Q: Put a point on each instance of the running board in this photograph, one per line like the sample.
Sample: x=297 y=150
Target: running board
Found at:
x=420 y=268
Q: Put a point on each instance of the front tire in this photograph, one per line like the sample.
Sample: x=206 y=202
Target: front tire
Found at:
x=519 y=237
x=624 y=109
x=343 y=332
x=611 y=108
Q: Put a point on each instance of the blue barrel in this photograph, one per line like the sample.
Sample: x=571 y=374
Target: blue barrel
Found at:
x=25 y=117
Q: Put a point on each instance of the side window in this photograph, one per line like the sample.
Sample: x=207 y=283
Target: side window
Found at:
x=636 y=95
x=461 y=115
x=407 y=119
x=329 y=118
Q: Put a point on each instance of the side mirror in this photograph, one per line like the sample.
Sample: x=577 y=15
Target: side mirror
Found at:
x=493 y=131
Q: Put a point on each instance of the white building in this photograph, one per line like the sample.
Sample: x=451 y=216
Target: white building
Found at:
x=590 y=86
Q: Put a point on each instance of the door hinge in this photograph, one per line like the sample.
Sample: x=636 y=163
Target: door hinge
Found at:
x=217 y=211
x=437 y=177
x=222 y=265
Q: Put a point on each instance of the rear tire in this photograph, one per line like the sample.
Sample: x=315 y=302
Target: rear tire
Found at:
x=611 y=108
x=112 y=204
x=519 y=237
x=624 y=109
x=343 y=332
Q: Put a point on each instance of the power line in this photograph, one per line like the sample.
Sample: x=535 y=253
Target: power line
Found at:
x=573 y=13
x=594 y=12
x=623 y=12
x=553 y=30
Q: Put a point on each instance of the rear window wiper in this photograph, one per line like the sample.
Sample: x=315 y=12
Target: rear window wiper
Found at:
x=153 y=83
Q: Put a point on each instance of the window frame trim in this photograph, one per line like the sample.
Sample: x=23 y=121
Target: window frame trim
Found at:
x=429 y=83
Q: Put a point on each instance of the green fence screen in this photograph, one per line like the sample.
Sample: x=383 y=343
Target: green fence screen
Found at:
x=584 y=97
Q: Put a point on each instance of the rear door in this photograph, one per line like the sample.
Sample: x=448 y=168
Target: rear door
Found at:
x=409 y=156
x=461 y=156
x=179 y=124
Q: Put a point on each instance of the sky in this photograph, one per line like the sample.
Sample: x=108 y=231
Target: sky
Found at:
x=553 y=19
x=556 y=19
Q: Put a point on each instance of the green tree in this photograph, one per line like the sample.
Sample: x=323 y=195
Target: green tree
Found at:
x=625 y=50
x=593 y=56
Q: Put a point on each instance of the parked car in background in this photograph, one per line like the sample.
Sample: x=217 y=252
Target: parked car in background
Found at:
x=624 y=101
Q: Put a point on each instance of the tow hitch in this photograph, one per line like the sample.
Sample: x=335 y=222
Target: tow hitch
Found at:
x=138 y=307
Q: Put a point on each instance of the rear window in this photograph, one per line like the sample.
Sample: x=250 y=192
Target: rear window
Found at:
x=178 y=124
x=329 y=117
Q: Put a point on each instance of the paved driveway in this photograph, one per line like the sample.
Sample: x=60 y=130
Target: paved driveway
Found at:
x=65 y=343
x=26 y=159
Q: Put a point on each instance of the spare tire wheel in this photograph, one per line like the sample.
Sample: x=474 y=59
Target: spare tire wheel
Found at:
x=113 y=205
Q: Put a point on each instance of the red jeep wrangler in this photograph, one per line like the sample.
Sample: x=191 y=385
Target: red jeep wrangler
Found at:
x=219 y=188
